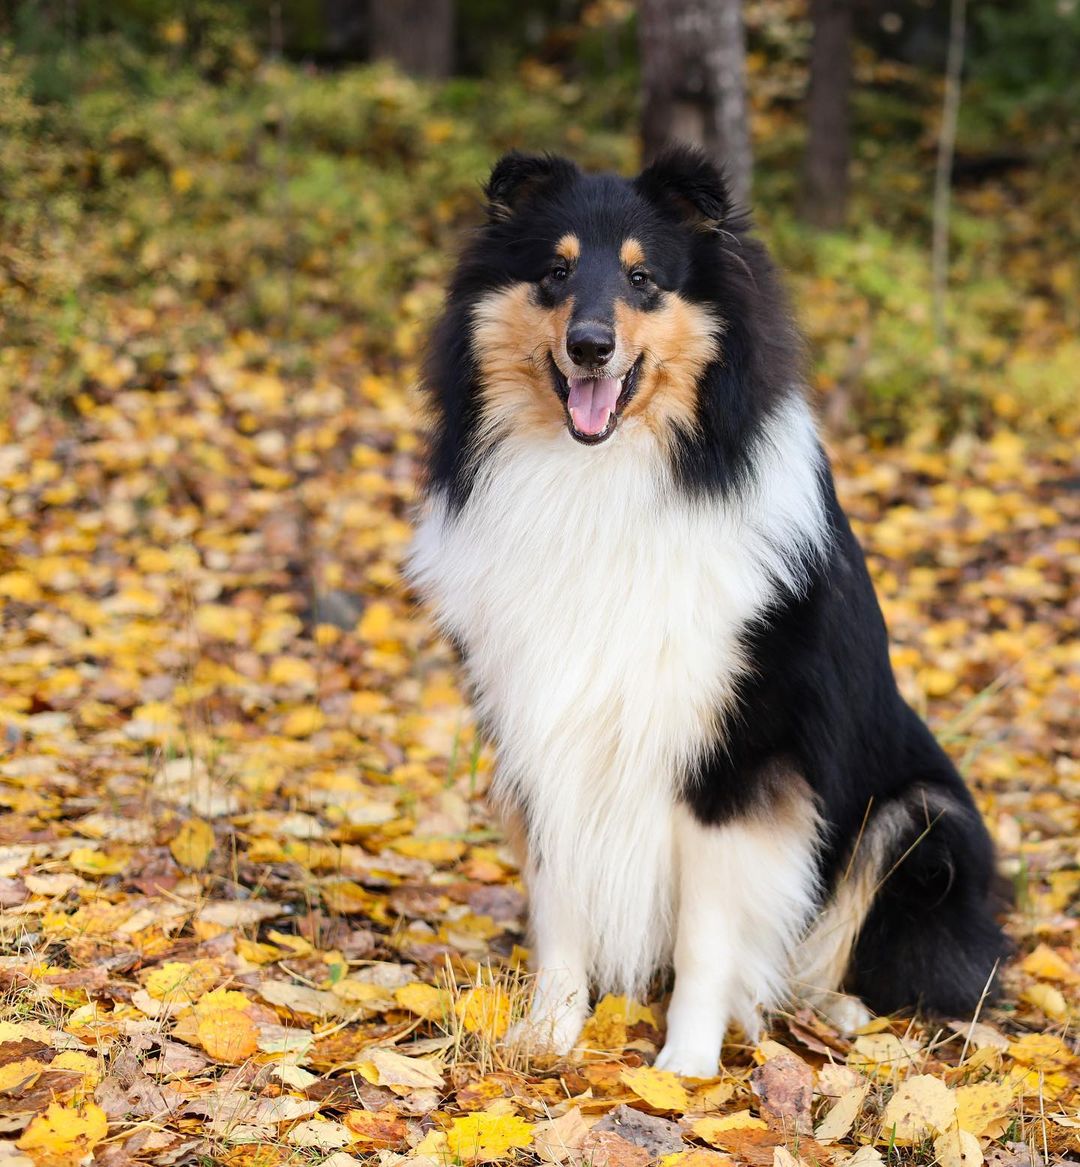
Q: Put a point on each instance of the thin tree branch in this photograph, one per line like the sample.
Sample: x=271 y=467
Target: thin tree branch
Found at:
x=943 y=179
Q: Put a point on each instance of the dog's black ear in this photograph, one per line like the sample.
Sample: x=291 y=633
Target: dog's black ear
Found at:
x=516 y=176
x=684 y=180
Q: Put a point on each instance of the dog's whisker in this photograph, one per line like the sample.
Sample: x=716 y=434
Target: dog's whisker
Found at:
x=742 y=263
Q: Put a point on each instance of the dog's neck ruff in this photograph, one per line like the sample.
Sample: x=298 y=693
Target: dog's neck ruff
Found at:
x=602 y=613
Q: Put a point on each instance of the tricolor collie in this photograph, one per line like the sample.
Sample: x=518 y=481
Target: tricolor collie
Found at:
x=630 y=530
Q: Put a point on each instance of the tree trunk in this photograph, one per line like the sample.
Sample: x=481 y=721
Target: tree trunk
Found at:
x=345 y=28
x=693 y=82
x=417 y=34
x=828 y=141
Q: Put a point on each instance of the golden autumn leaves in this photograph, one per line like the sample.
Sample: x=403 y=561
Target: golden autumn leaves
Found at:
x=253 y=910
x=252 y=897
x=247 y=846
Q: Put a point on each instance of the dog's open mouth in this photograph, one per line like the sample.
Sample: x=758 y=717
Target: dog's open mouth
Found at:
x=593 y=402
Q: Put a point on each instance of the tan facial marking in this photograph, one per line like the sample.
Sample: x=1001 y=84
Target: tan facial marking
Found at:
x=512 y=338
x=679 y=340
x=631 y=254
x=569 y=247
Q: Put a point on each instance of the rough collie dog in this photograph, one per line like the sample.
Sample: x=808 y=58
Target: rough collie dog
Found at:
x=630 y=531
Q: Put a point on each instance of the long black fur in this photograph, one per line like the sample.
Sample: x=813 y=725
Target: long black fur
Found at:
x=819 y=697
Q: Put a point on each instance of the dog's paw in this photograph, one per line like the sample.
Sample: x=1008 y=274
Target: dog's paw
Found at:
x=687 y=1061
x=544 y=1036
x=846 y=1014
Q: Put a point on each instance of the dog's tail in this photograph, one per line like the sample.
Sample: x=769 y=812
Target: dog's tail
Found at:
x=911 y=923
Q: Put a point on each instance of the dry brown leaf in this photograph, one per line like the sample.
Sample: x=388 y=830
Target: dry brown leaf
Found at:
x=659 y=1136
x=557 y=1139
x=379 y=1130
x=607 y=1149
x=785 y=1086
x=321 y=1134
x=387 y=1067
x=301 y=998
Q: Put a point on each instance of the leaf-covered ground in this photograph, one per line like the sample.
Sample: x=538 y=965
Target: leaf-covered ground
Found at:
x=252 y=907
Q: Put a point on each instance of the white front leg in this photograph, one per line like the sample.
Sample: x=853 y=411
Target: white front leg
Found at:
x=560 y=1001
x=706 y=942
x=745 y=892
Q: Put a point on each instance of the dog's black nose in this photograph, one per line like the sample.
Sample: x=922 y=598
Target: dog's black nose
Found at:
x=590 y=344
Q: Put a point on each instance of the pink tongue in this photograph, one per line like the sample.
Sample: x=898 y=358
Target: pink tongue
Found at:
x=592 y=402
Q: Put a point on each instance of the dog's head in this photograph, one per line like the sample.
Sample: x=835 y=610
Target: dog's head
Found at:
x=587 y=311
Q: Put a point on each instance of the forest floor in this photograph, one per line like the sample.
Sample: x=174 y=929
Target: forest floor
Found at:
x=253 y=909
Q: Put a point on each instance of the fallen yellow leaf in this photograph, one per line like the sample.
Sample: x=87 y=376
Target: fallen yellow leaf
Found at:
x=697 y=1157
x=386 y=1067
x=20 y=586
x=64 y=1135
x=91 y=861
x=222 y=999
x=179 y=980
x=841 y=1118
x=1046 y=964
x=606 y=1028
x=376 y=623
x=484 y=1137
x=1044 y=1051
x=19 y=1075
x=485 y=1010
x=661 y=1089
x=1049 y=999
x=922 y=1105
x=228 y=1035
x=424 y=1000
x=345 y=896
x=193 y=844
x=291 y=670
x=433 y=850
x=303 y=721
x=257 y=952
x=707 y=1129
x=958 y=1148
x=983 y=1106
x=81 y=1063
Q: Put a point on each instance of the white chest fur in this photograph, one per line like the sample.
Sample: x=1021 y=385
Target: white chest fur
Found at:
x=601 y=611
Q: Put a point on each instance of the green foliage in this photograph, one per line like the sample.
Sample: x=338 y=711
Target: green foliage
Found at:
x=1025 y=55
x=288 y=203
x=296 y=204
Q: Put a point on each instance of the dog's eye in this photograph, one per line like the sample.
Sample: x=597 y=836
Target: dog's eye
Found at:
x=559 y=272
x=639 y=278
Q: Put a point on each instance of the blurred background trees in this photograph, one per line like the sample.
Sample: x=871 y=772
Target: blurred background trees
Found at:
x=692 y=57
x=828 y=117
x=303 y=167
x=416 y=34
